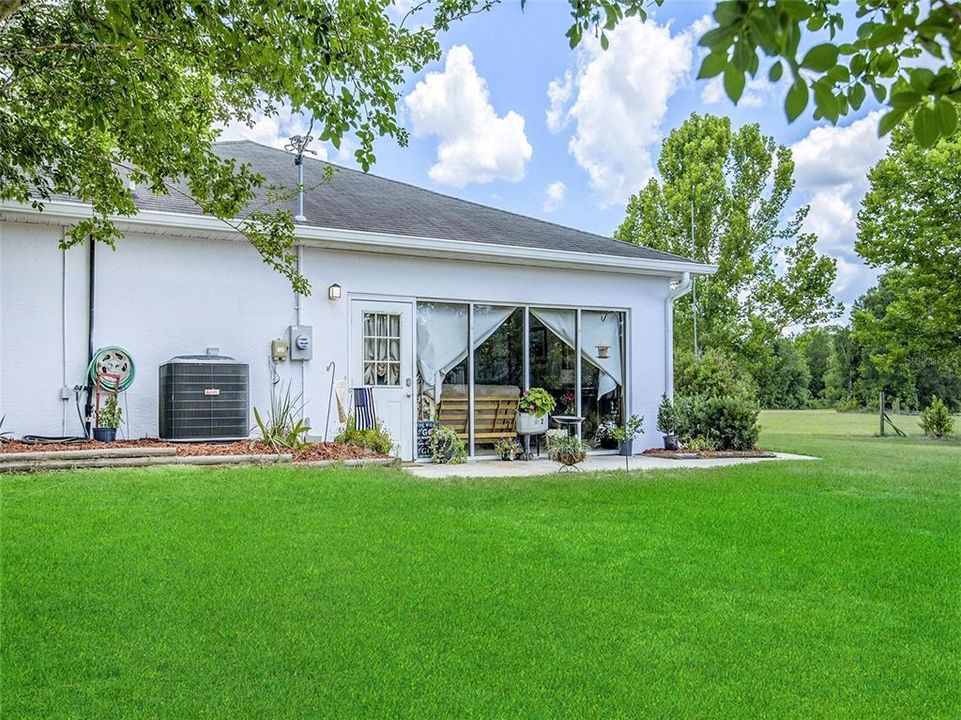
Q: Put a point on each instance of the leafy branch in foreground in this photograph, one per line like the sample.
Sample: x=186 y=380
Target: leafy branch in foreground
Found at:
x=905 y=54
x=96 y=94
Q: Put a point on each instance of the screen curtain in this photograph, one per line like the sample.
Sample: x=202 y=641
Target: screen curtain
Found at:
x=442 y=337
x=597 y=328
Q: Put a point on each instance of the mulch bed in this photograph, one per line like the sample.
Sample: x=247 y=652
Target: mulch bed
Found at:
x=314 y=451
x=707 y=454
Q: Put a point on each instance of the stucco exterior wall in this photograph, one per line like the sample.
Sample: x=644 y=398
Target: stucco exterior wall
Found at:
x=164 y=296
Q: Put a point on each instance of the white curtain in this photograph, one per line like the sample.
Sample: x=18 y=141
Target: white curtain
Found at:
x=601 y=328
x=442 y=337
x=597 y=328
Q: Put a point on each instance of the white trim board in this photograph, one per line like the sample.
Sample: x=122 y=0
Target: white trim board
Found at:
x=168 y=223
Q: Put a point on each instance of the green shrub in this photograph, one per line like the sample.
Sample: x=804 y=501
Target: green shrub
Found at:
x=729 y=421
x=711 y=374
x=936 y=419
x=281 y=429
x=847 y=404
x=667 y=416
x=377 y=439
x=446 y=446
x=701 y=444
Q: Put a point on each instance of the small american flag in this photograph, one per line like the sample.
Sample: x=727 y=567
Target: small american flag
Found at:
x=365 y=418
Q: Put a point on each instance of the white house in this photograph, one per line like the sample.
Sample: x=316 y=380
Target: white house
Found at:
x=446 y=308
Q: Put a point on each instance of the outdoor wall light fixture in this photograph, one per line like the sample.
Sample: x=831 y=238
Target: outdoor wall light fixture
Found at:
x=333 y=292
x=603 y=351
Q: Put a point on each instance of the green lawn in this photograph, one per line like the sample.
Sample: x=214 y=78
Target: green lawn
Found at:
x=824 y=589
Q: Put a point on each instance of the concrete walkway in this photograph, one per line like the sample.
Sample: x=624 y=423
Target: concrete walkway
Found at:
x=491 y=467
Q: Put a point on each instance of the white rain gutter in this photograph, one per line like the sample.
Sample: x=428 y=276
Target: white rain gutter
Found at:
x=190 y=225
x=682 y=289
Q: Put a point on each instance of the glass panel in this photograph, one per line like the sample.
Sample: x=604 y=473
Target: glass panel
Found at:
x=377 y=346
x=498 y=374
x=552 y=357
x=602 y=375
x=441 y=369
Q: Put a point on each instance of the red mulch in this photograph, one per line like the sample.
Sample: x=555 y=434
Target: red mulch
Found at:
x=314 y=451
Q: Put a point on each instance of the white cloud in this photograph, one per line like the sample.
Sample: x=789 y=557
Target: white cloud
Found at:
x=554 y=196
x=476 y=145
x=831 y=168
x=617 y=102
x=832 y=155
x=701 y=26
x=559 y=95
x=274 y=130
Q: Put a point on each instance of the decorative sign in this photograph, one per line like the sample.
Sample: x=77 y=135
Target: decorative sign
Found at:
x=424 y=430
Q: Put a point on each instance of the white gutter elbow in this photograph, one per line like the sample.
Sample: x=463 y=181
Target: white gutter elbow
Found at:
x=682 y=289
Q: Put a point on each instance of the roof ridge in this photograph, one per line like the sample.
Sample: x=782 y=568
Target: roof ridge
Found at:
x=458 y=199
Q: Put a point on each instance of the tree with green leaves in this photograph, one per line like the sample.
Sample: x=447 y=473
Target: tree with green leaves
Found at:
x=94 y=93
x=733 y=185
x=905 y=53
x=910 y=225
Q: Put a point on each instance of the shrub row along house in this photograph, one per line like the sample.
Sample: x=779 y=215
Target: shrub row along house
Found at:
x=446 y=309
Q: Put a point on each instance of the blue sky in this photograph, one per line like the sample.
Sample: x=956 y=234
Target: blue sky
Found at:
x=511 y=117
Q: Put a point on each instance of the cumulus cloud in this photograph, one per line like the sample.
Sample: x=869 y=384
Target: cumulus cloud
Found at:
x=831 y=170
x=554 y=196
x=476 y=145
x=559 y=96
x=616 y=100
x=273 y=130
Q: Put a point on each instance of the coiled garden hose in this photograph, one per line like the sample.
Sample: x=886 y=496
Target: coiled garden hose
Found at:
x=114 y=361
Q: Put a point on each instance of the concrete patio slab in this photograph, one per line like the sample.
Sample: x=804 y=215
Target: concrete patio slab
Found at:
x=493 y=468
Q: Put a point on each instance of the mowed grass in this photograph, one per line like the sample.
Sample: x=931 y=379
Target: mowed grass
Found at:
x=822 y=589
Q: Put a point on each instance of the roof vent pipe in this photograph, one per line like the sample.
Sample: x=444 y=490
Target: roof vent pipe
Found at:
x=678 y=291
x=298 y=145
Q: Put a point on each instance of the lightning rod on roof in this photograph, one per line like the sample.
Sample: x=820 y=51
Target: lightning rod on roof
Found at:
x=298 y=145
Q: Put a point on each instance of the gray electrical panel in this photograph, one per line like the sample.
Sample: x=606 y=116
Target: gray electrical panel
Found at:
x=301 y=342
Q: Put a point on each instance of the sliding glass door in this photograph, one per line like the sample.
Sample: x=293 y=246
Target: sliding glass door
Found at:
x=498 y=373
x=474 y=360
x=553 y=358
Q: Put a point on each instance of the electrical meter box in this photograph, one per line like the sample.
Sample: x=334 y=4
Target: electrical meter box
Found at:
x=301 y=342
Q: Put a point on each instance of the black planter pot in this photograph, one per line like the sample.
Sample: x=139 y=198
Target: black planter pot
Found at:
x=671 y=442
x=609 y=443
x=106 y=435
x=625 y=447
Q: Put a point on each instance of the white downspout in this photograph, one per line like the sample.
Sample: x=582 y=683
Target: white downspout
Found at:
x=682 y=289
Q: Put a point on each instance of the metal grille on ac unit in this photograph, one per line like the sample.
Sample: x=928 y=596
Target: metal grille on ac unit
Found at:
x=203 y=397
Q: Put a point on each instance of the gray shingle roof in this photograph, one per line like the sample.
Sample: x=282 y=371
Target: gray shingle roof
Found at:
x=355 y=200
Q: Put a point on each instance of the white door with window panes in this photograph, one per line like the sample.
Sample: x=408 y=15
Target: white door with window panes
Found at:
x=381 y=358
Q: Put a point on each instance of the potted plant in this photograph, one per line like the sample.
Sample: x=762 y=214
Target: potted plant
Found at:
x=568 y=450
x=507 y=448
x=625 y=435
x=604 y=436
x=667 y=423
x=446 y=447
x=533 y=408
x=109 y=417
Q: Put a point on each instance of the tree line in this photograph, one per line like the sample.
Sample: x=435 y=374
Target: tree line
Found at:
x=720 y=198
